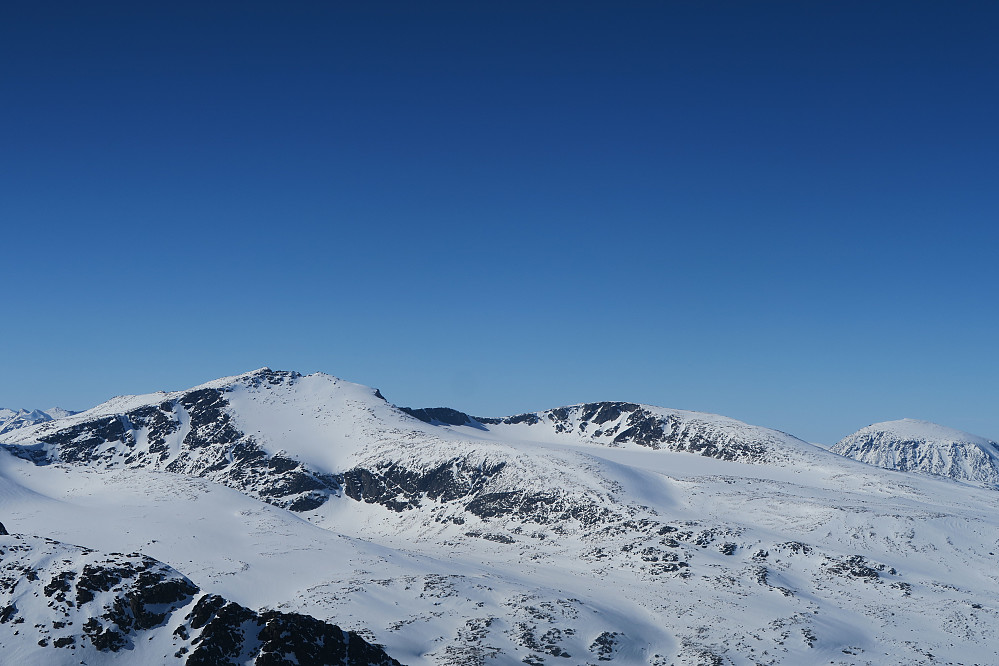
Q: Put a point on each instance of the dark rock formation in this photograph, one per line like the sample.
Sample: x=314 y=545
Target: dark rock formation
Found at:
x=228 y=631
x=448 y=481
x=114 y=602
x=442 y=416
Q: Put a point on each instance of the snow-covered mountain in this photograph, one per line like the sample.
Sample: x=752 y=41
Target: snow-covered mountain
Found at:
x=297 y=441
x=598 y=533
x=910 y=445
x=620 y=423
x=19 y=418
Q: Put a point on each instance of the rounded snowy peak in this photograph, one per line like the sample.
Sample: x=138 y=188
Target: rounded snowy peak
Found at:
x=911 y=445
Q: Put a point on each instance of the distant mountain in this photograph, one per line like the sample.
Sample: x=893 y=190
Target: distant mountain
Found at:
x=59 y=412
x=910 y=445
x=11 y=419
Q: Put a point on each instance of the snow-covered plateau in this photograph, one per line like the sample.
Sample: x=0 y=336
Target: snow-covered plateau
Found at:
x=275 y=518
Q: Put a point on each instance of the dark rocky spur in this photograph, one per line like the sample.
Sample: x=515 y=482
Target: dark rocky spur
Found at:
x=64 y=598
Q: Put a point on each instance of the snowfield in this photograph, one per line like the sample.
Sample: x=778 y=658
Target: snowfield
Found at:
x=603 y=533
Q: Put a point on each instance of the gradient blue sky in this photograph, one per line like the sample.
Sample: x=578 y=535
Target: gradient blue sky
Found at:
x=784 y=212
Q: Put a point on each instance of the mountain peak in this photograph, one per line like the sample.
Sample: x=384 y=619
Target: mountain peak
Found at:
x=913 y=445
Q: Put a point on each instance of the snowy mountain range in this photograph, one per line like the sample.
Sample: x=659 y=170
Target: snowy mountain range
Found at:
x=309 y=507
x=19 y=418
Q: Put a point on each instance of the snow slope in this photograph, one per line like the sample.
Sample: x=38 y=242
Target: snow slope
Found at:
x=909 y=445
x=692 y=539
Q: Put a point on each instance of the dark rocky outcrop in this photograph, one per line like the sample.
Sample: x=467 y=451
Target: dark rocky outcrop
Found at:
x=228 y=631
x=443 y=416
x=538 y=507
x=399 y=488
x=114 y=602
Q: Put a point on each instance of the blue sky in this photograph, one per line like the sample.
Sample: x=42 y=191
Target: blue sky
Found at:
x=784 y=212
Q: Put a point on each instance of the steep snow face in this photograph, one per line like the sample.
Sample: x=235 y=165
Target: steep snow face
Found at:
x=910 y=445
x=11 y=419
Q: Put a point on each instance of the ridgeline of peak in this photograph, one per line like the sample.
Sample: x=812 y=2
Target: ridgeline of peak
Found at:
x=617 y=424
x=298 y=441
x=903 y=445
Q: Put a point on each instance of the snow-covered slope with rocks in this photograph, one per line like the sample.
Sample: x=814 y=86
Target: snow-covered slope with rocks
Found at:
x=600 y=533
x=910 y=445
x=61 y=603
x=11 y=419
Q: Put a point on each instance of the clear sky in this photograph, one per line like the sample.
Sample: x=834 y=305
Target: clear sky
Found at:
x=784 y=212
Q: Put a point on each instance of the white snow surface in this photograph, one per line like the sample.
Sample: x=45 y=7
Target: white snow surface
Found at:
x=798 y=557
x=921 y=446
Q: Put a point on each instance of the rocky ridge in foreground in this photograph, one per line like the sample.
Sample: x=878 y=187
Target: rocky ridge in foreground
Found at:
x=82 y=606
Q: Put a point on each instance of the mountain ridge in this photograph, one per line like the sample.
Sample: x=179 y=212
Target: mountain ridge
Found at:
x=11 y=419
x=212 y=430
